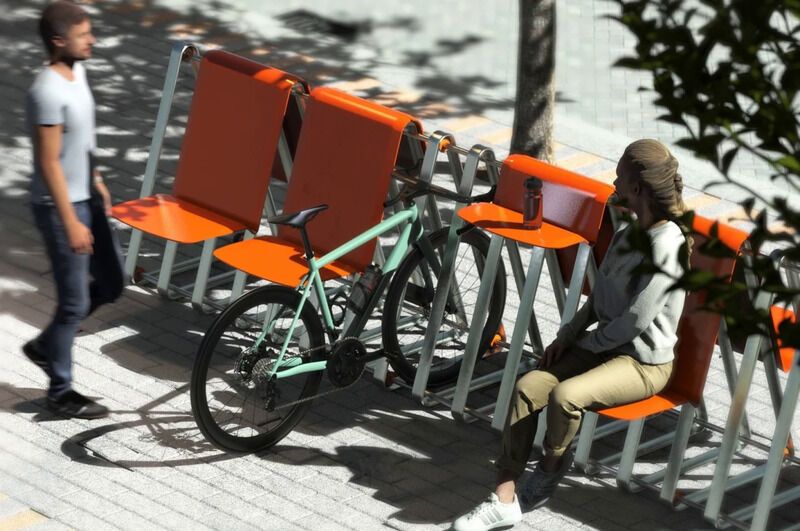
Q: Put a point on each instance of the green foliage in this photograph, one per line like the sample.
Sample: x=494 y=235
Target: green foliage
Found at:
x=728 y=72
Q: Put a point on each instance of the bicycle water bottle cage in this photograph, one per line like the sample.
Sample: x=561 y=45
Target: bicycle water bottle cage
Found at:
x=299 y=219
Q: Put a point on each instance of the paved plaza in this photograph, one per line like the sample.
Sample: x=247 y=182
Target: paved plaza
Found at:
x=366 y=458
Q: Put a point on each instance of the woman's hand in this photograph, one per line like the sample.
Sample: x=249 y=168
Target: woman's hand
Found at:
x=554 y=351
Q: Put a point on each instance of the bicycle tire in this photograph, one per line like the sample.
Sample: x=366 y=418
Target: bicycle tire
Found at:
x=242 y=369
x=404 y=293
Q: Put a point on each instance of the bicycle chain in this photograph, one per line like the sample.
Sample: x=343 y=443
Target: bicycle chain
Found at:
x=320 y=395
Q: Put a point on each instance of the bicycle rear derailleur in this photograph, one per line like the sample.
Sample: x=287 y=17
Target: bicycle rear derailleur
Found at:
x=346 y=362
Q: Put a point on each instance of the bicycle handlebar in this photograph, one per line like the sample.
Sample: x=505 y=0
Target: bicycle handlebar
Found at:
x=415 y=188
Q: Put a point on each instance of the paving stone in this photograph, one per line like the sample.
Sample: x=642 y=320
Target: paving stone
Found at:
x=85 y=520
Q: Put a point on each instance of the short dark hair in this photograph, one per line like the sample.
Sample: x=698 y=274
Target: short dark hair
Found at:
x=56 y=20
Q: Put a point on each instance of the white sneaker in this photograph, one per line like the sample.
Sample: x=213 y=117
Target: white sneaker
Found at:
x=490 y=514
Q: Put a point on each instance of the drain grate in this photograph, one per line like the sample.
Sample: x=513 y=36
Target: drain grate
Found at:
x=305 y=21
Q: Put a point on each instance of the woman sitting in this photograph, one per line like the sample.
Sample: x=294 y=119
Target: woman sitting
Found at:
x=626 y=358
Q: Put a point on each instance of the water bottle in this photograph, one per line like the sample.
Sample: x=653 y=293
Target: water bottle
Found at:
x=532 y=204
x=363 y=288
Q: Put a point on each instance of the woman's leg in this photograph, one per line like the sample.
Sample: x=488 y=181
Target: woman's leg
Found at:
x=531 y=395
x=619 y=380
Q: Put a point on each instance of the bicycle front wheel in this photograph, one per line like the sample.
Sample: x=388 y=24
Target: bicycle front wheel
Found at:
x=237 y=402
x=410 y=299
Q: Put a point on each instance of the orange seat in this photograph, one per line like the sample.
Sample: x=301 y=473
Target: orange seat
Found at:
x=572 y=211
x=231 y=137
x=250 y=256
x=663 y=401
x=508 y=224
x=697 y=332
x=175 y=219
x=572 y=205
x=697 y=335
x=345 y=157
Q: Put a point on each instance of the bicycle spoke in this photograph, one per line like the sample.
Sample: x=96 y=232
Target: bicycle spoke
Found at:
x=233 y=387
x=410 y=302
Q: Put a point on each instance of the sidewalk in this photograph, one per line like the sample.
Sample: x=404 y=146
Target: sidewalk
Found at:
x=364 y=459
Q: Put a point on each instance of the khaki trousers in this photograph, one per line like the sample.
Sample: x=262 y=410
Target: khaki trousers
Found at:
x=577 y=381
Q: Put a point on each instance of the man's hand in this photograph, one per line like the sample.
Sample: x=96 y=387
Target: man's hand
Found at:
x=80 y=238
x=554 y=351
x=102 y=189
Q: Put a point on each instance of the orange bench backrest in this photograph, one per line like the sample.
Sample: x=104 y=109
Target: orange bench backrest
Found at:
x=232 y=135
x=697 y=329
x=345 y=156
x=572 y=201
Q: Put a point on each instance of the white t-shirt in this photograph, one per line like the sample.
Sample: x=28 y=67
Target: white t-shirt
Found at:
x=54 y=100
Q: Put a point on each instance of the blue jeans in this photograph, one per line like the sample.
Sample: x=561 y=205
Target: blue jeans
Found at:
x=83 y=283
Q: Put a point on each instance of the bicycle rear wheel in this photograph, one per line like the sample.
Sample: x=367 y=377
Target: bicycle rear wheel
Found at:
x=410 y=299
x=236 y=404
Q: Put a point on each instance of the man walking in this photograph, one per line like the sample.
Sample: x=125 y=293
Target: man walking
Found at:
x=69 y=201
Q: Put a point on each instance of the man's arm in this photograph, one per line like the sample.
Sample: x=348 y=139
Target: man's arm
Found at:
x=48 y=147
x=100 y=186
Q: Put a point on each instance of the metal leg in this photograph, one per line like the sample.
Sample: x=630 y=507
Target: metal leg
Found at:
x=729 y=364
x=380 y=368
x=445 y=279
x=677 y=453
x=629 y=451
x=201 y=281
x=428 y=209
x=576 y=283
x=518 y=339
x=519 y=278
x=179 y=51
x=476 y=327
x=734 y=421
x=585 y=439
x=240 y=277
x=556 y=279
x=133 y=252
x=782 y=428
x=773 y=382
x=167 y=260
x=541 y=429
x=437 y=312
x=591 y=271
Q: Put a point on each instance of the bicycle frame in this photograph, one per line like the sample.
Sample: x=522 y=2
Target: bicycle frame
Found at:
x=313 y=281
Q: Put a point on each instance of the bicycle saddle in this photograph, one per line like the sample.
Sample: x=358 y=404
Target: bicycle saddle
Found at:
x=299 y=219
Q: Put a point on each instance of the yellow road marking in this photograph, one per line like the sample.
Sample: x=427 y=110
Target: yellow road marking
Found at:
x=462 y=124
x=701 y=200
x=606 y=176
x=578 y=160
x=21 y=520
x=498 y=137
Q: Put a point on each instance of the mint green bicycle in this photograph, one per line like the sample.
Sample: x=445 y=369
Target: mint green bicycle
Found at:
x=261 y=362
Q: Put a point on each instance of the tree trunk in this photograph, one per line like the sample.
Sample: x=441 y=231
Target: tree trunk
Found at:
x=533 y=111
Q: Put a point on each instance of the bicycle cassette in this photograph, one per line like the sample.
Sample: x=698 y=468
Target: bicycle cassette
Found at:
x=346 y=362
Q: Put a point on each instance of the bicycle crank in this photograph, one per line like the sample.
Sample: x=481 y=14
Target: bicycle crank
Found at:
x=346 y=362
